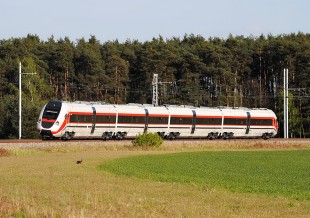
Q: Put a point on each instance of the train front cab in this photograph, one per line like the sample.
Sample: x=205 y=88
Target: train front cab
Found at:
x=48 y=118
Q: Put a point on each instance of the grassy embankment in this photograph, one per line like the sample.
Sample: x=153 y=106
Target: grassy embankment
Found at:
x=44 y=180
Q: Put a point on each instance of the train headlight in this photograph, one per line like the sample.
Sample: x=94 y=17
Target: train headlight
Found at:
x=57 y=123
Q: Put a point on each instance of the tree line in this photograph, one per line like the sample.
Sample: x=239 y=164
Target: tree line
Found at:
x=236 y=72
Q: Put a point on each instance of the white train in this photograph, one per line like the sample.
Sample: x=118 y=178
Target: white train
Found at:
x=70 y=120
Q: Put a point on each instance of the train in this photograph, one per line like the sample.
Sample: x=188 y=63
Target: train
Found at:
x=98 y=120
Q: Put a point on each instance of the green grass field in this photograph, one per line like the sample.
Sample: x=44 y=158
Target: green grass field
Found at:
x=284 y=173
x=43 y=179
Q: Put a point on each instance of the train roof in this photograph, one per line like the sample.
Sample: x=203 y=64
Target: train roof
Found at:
x=165 y=105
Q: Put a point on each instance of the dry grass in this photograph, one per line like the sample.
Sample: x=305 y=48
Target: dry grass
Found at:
x=235 y=144
x=44 y=180
x=6 y=207
x=4 y=152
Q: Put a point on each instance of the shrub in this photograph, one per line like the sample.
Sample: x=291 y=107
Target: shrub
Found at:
x=148 y=139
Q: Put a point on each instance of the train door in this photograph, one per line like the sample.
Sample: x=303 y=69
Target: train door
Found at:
x=248 y=123
x=146 y=120
x=193 y=122
x=93 y=121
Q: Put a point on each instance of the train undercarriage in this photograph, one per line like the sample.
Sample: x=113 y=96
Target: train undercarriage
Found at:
x=108 y=135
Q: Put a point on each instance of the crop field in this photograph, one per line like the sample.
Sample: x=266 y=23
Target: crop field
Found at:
x=233 y=178
x=270 y=172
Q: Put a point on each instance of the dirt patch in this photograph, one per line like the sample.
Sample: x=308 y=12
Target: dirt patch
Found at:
x=4 y=152
x=8 y=209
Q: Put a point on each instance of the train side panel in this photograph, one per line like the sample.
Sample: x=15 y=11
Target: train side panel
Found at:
x=180 y=122
x=92 y=120
x=236 y=122
x=158 y=120
x=208 y=122
x=130 y=120
x=79 y=121
x=106 y=116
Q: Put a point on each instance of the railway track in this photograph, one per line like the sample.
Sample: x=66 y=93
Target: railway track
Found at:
x=25 y=141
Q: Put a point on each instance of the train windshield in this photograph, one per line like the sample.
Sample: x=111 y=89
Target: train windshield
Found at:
x=50 y=114
x=52 y=110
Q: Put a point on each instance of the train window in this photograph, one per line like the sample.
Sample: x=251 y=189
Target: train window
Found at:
x=81 y=118
x=74 y=118
x=158 y=120
x=105 y=119
x=86 y=118
x=255 y=122
x=181 y=120
x=174 y=120
x=209 y=121
x=265 y=122
x=123 y=119
x=138 y=119
x=131 y=119
x=234 y=121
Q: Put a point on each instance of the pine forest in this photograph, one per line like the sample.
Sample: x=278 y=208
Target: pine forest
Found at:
x=235 y=72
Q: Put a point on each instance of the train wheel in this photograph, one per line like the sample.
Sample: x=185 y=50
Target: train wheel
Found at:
x=173 y=135
x=266 y=136
x=66 y=137
x=161 y=134
x=225 y=136
x=106 y=136
x=120 y=135
x=211 y=136
x=117 y=136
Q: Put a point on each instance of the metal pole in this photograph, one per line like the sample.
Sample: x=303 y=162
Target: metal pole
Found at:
x=287 y=135
x=284 y=104
x=155 y=90
x=20 y=101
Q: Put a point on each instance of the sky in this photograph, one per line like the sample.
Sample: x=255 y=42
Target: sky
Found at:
x=141 y=20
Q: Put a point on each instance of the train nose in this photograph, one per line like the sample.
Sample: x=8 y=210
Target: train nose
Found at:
x=46 y=133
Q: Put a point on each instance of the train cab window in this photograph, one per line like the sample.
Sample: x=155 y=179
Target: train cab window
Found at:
x=52 y=110
x=51 y=114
